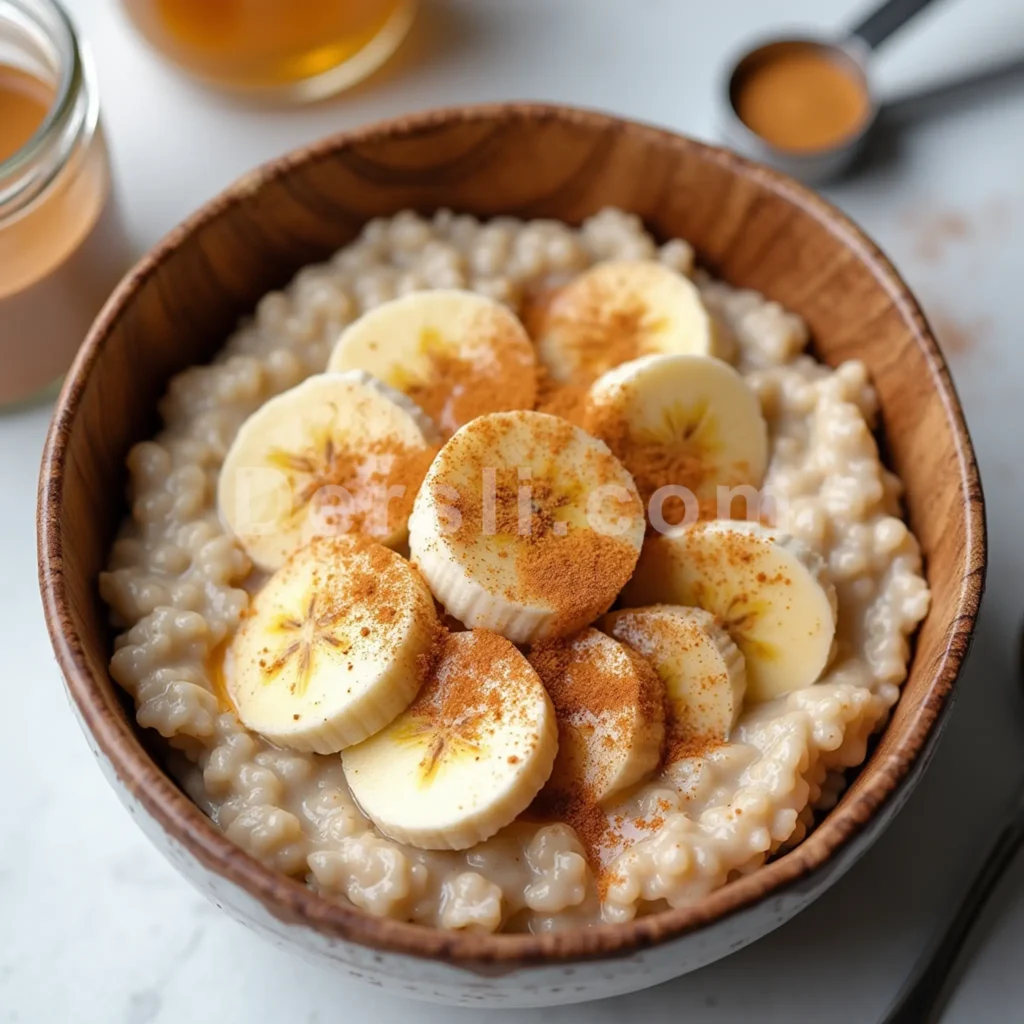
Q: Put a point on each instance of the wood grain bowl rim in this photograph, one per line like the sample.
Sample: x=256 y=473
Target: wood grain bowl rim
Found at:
x=293 y=902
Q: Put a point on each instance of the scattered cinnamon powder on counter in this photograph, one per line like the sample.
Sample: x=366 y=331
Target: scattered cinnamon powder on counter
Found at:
x=935 y=231
x=955 y=336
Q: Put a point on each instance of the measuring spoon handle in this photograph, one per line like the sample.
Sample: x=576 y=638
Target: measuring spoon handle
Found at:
x=880 y=24
x=924 y=993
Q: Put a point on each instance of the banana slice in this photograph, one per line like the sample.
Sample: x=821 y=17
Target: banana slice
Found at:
x=456 y=354
x=768 y=590
x=688 y=421
x=526 y=525
x=618 y=311
x=701 y=668
x=467 y=757
x=336 y=645
x=338 y=453
x=611 y=715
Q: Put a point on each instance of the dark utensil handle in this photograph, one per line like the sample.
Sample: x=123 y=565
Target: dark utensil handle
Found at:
x=880 y=24
x=924 y=994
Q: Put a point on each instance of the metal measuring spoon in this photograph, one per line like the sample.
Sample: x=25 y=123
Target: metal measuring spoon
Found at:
x=926 y=991
x=853 y=55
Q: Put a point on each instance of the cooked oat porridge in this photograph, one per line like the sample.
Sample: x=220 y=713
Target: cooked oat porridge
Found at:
x=527 y=708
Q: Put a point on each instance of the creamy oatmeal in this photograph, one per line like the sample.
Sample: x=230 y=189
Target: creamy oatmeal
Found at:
x=677 y=824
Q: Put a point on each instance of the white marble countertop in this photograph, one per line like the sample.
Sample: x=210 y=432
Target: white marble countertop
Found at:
x=96 y=928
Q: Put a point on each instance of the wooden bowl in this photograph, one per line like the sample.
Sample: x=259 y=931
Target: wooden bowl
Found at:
x=750 y=226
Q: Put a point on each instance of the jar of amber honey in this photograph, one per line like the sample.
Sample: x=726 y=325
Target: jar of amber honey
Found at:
x=302 y=49
x=62 y=245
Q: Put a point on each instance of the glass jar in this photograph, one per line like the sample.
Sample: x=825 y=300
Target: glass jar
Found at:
x=62 y=243
x=302 y=49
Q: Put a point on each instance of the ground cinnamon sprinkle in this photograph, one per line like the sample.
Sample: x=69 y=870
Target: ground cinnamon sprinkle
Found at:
x=478 y=685
x=536 y=305
x=687 y=718
x=494 y=372
x=321 y=477
x=426 y=663
x=734 y=549
x=580 y=684
x=597 y=329
x=681 y=744
x=557 y=559
x=591 y=691
x=677 y=459
x=654 y=463
x=579 y=574
x=461 y=685
x=356 y=574
x=600 y=327
x=352 y=589
x=566 y=400
x=595 y=828
x=604 y=834
x=650 y=824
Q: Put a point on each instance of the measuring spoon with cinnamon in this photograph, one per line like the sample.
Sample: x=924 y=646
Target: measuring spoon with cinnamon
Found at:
x=805 y=105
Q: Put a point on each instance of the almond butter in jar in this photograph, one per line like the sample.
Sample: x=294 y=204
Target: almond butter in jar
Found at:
x=62 y=243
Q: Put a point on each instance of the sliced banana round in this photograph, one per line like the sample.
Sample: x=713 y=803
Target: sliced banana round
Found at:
x=611 y=715
x=700 y=667
x=339 y=453
x=769 y=591
x=467 y=757
x=681 y=421
x=618 y=311
x=456 y=354
x=526 y=525
x=335 y=645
